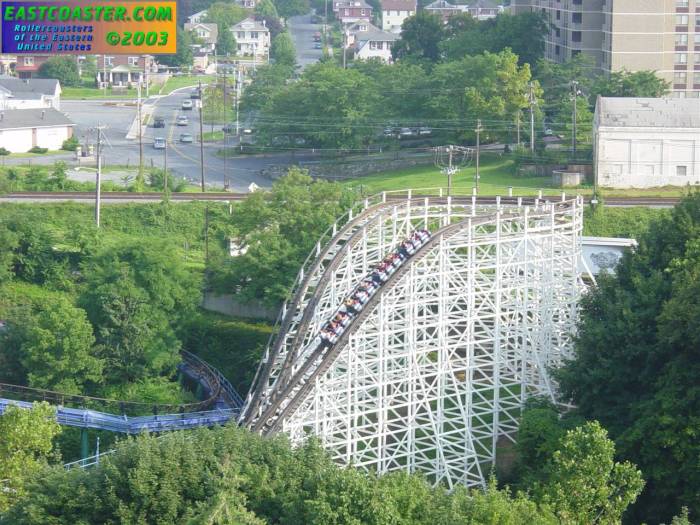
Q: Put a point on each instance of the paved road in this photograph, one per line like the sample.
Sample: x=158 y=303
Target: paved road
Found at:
x=183 y=159
x=302 y=31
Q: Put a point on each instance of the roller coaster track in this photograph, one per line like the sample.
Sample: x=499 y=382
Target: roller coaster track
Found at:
x=221 y=404
x=499 y=311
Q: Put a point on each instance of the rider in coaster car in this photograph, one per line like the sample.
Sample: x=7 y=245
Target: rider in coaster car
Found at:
x=349 y=305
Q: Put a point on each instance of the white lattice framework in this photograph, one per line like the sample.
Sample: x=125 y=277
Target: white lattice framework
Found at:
x=436 y=368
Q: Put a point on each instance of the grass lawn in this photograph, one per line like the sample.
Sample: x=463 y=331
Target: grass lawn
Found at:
x=213 y=136
x=174 y=83
x=81 y=93
x=497 y=174
x=30 y=155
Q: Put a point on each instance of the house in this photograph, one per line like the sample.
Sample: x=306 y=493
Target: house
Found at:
x=350 y=11
x=7 y=64
x=368 y=41
x=27 y=66
x=208 y=34
x=252 y=38
x=23 y=129
x=124 y=70
x=481 y=9
x=646 y=142
x=197 y=18
x=16 y=93
x=247 y=4
x=394 y=12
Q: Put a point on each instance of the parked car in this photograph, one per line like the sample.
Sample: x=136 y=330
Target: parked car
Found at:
x=317 y=36
x=317 y=45
x=424 y=131
x=229 y=128
x=406 y=133
x=159 y=143
x=247 y=131
x=186 y=138
x=187 y=105
x=182 y=120
x=159 y=122
x=548 y=132
x=196 y=94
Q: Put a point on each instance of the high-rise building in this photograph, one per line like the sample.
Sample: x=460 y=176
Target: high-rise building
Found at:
x=634 y=35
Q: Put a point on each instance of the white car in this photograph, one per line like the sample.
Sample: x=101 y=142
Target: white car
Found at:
x=159 y=143
x=187 y=105
x=182 y=120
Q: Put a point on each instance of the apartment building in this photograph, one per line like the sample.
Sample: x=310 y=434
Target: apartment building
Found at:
x=658 y=35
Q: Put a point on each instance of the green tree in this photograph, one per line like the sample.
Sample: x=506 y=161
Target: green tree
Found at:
x=584 y=483
x=626 y=84
x=56 y=348
x=329 y=107
x=266 y=9
x=420 y=38
x=283 y=50
x=268 y=81
x=88 y=68
x=184 y=57
x=287 y=8
x=225 y=43
x=135 y=338
x=65 y=69
x=225 y=15
x=26 y=438
x=278 y=229
x=636 y=363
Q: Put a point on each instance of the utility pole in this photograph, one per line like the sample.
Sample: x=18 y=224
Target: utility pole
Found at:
x=165 y=168
x=98 y=175
x=450 y=170
x=226 y=124
x=345 y=47
x=201 y=134
x=450 y=159
x=238 y=98
x=575 y=93
x=517 y=127
x=533 y=103
x=478 y=131
x=140 y=124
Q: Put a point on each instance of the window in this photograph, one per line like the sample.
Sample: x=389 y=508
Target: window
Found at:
x=240 y=35
x=108 y=61
x=680 y=77
x=557 y=32
x=681 y=20
x=28 y=61
x=696 y=78
x=576 y=36
x=347 y=12
x=697 y=59
x=680 y=58
x=556 y=50
x=558 y=15
x=681 y=3
x=681 y=39
x=133 y=61
x=697 y=39
x=681 y=171
x=254 y=35
x=362 y=12
x=576 y=18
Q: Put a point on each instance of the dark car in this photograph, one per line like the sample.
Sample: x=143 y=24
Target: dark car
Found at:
x=159 y=122
x=317 y=45
x=229 y=128
x=196 y=94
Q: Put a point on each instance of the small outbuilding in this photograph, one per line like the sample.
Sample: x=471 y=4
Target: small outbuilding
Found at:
x=23 y=129
x=647 y=142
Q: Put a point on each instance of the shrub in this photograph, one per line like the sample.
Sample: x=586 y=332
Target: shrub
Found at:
x=37 y=149
x=4 y=152
x=70 y=144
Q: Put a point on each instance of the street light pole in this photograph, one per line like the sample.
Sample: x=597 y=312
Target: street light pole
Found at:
x=201 y=134
x=478 y=130
x=165 y=168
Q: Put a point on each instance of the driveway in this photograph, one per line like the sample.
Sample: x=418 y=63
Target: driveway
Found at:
x=302 y=31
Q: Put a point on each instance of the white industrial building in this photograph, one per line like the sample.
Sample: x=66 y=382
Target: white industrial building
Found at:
x=23 y=129
x=17 y=93
x=647 y=142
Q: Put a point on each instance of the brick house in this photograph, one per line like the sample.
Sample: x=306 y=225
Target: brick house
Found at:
x=351 y=11
x=28 y=65
x=124 y=70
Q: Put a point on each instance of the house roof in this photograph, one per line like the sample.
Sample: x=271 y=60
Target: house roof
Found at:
x=29 y=89
x=442 y=4
x=249 y=24
x=374 y=34
x=199 y=14
x=649 y=112
x=399 y=5
x=353 y=3
x=213 y=30
x=32 y=118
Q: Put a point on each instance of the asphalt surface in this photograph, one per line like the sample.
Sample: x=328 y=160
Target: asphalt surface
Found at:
x=117 y=118
x=302 y=31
